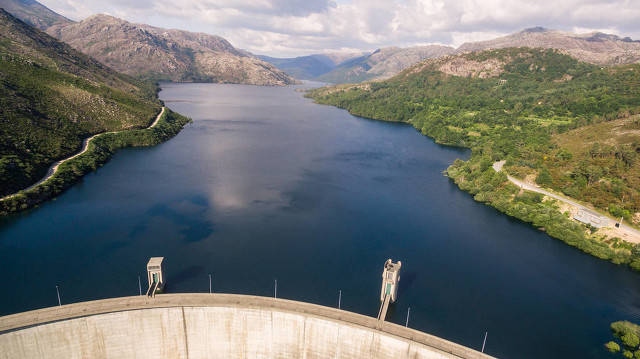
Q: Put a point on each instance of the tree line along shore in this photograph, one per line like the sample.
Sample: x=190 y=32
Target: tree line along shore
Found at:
x=567 y=125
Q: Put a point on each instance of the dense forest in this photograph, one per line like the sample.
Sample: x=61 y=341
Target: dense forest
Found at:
x=570 y=126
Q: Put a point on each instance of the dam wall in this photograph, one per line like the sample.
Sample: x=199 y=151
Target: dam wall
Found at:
x=212 y=326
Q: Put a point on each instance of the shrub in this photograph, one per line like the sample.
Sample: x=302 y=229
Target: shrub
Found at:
x=544 y=178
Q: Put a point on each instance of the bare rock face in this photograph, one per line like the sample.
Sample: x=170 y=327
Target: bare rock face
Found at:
x=596 y=48
x=463 y=67
x=176 y=55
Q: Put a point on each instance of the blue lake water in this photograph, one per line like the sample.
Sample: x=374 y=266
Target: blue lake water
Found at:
x=266 y=185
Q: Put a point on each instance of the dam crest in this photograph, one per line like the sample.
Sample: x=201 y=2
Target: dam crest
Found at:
x=212 y=326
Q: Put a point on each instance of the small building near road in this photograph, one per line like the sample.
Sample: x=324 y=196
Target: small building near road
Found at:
x=592 y=218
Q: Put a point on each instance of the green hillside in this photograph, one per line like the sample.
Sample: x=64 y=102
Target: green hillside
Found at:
x=525 y=106
x=52 y=97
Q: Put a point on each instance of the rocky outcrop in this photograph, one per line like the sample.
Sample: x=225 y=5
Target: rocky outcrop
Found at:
x=596 y=48
x=176 y=55
x=464 y=67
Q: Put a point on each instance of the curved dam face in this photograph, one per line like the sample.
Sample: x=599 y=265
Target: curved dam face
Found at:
x=212 y=326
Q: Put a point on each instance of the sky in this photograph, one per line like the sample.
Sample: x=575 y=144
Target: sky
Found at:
x=286 y=28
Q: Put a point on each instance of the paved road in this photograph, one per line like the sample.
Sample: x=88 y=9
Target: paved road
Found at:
x=529 y=187
x=85 y=146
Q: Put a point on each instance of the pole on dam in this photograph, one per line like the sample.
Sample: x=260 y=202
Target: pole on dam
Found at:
x=58 y=292
x=484 y=341
x=406 y=324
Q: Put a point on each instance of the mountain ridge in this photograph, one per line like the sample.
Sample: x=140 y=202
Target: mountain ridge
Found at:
x=309 y=67
x=381 y=63
x=150 y=52
x=166 y=54
x=595 y=47
x=179 y=55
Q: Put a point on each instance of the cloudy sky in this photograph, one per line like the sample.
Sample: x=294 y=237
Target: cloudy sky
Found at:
x=301 y=27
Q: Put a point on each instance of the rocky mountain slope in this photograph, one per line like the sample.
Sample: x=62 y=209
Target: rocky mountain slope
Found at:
x=52 y=97
x=33 y=13
x=383 y=63
x=156 y=53
x=596 y=48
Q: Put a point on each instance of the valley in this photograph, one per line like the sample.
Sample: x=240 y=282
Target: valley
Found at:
x=498 y=167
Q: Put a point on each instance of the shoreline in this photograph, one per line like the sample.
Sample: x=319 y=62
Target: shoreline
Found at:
x=96 y=151
x=85 y=146
x=494 y=189
x=626 y=232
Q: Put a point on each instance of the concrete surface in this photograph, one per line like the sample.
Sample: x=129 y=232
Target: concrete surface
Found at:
x=211 y=326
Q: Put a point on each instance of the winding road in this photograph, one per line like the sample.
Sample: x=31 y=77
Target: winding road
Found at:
x=85 y=146
x=626 y=232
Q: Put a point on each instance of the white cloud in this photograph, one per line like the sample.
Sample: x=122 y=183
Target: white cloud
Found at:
x=295 y=27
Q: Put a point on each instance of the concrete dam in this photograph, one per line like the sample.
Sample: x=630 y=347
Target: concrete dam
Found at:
x=212 y=326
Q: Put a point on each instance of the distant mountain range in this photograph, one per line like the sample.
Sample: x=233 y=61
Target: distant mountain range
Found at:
x=356 y=66
x=596 y=48
x=175 y=55
x=312 y=66
x=160 y=54
x=382 y=63
x=150 y=52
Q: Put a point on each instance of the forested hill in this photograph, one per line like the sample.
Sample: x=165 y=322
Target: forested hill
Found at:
x=528 y=106
x=52 y=97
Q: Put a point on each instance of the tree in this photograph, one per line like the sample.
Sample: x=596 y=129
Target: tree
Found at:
x=544 y=177
x=630 y=340
x=628 y=155
x=612 y=346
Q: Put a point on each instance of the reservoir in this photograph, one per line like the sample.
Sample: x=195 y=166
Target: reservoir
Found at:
x=265 y=185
